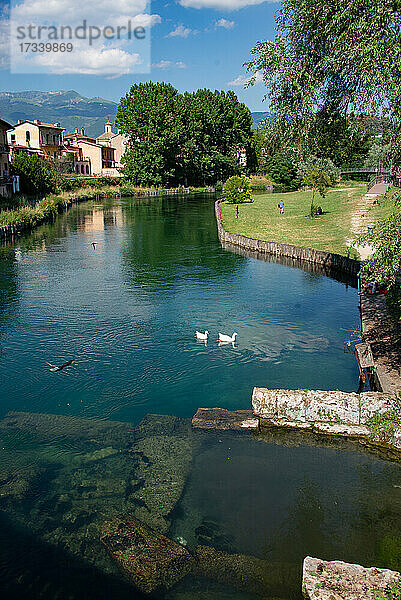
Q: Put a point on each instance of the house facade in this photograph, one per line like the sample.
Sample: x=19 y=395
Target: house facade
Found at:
x=91 y=158
x=118 y=141
x=5 y=181
x=36 y=137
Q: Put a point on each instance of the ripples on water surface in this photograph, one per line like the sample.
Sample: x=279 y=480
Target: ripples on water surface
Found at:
x=127 y=312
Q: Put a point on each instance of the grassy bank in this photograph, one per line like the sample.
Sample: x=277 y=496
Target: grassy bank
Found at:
x=31 y=213
x=329 y=231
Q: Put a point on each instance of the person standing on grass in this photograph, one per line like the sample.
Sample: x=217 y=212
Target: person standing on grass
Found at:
x=281 y=206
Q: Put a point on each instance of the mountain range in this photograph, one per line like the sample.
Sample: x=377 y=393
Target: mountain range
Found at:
x=69 y=108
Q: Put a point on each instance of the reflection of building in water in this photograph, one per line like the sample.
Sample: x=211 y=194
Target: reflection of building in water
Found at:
x=100 y=218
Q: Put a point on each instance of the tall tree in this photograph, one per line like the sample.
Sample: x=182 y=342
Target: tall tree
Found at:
x=191 y=138
x=147 y=115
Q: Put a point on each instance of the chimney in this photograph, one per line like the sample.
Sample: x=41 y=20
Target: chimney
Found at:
x=76 y=129
x=82 y=131
x=36 y=122
x=57 y=125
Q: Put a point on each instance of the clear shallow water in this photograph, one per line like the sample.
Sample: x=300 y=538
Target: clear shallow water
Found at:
x=127 y=312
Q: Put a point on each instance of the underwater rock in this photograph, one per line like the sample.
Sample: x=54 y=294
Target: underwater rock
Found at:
x=16 y=484
x=337 y=580
x=151 y=561
x=220 y=418
x=99 y=432
x=162 y=462
x=247 y=573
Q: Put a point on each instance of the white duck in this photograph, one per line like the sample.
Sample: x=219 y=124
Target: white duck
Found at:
x=201 y=336
x=227 y=338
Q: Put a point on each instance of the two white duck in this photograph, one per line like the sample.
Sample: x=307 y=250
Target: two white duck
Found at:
x=224 y=339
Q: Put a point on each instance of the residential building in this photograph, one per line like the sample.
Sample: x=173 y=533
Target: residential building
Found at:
x=5 y=181
x=36 y=137
x=88 y=153
x=118 y=141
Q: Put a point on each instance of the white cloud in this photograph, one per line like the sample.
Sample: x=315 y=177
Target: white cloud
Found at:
x=91 y=61
x=225 y=24
x=168 y=64
x=163 y=64
x=111 y=51
x=221 y=4
x=242 y=80
x=180 y=31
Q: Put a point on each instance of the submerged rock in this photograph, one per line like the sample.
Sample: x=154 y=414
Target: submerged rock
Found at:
x=245 y=572
x=337 y=580
x=151 y=561
x=53 y=427
x=162 y=457
x=16 y=484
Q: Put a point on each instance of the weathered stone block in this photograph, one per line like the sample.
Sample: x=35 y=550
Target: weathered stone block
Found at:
x=150 y=560
x=374 y=403
x=220 y=418
x=332 y=407
x=336 y=580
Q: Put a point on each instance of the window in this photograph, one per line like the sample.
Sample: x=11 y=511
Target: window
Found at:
x=28 y=136
x=13 y=138
x=87 y=169
x=82 y=170
x=47 y=138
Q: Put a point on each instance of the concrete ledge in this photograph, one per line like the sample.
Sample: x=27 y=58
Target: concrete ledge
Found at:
x=337 y=580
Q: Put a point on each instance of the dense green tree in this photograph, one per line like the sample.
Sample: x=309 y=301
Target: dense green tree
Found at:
x=324 y=164
x=282 y=168
x=191 y=138
x=37 y=174
x=379 y=155
x=147 y=115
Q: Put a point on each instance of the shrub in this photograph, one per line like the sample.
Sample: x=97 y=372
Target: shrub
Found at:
x=237 y=189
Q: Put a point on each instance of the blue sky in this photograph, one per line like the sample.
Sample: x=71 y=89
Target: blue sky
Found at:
x=194 y=43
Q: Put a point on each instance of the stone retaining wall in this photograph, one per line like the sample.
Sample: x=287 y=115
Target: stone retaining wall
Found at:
x=326 y=259
x=328 y=412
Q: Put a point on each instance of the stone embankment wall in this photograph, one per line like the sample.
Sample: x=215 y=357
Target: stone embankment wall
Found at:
x=328 y=412
x=319 y=257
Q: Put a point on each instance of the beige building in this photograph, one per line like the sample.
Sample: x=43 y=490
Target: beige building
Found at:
x=91 y=158
x=34 y=136
x=5 y=182
x=118 y=141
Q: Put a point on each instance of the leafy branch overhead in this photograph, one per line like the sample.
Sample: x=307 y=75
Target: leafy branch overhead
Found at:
x=343 y=54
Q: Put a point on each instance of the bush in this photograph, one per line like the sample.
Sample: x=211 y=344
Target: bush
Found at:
x=37 y=175
x=237 y=189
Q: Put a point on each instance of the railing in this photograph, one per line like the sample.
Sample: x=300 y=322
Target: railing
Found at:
x=378 y=179
x=363 y=170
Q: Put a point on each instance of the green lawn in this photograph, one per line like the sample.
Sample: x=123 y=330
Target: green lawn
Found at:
x=329 y=231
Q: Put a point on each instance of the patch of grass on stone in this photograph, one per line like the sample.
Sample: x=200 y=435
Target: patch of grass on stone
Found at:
x=388 y=421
